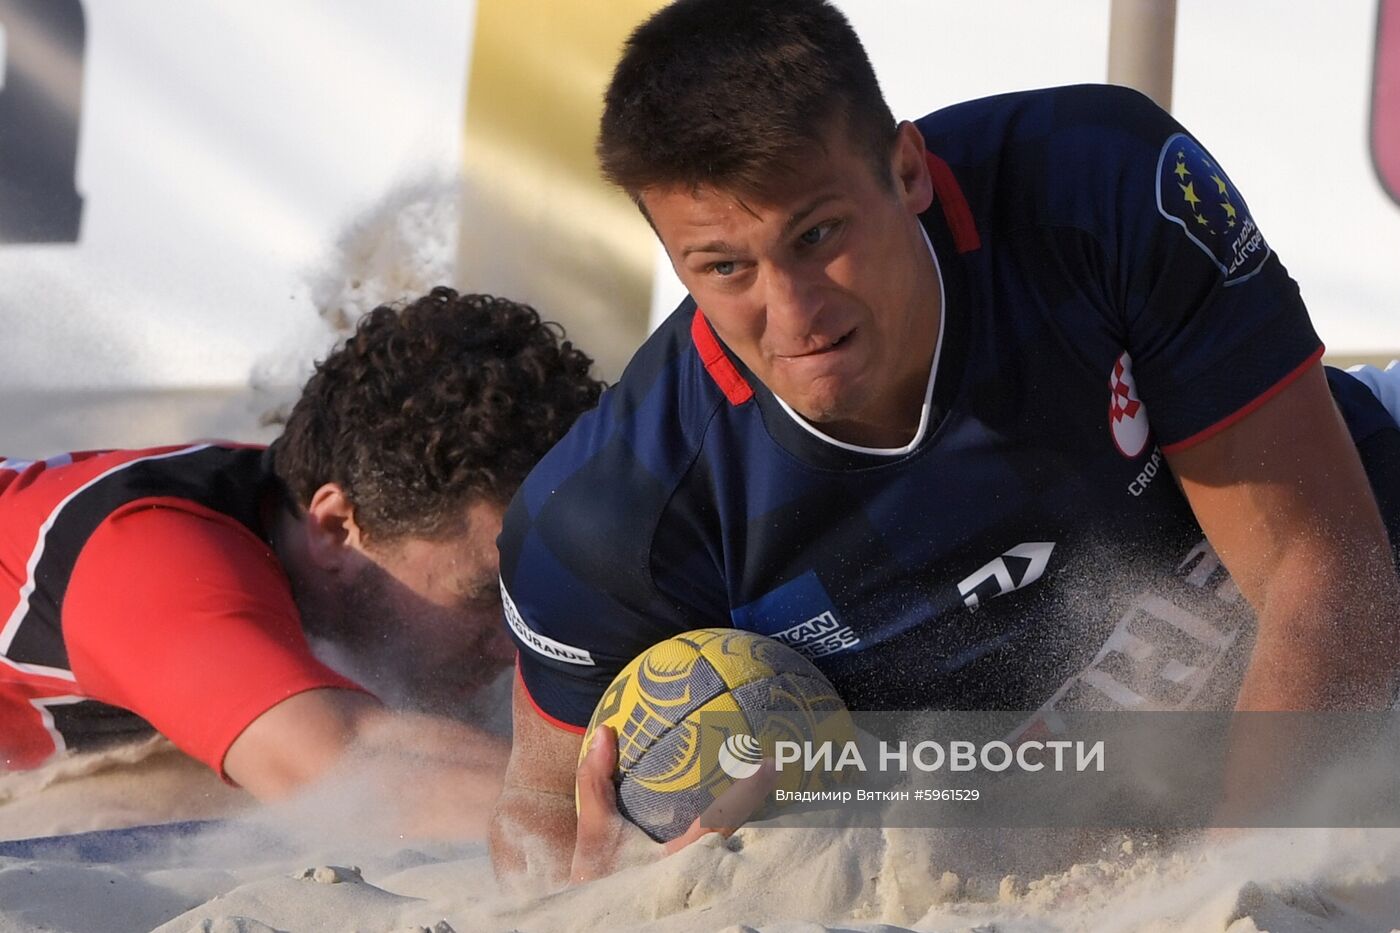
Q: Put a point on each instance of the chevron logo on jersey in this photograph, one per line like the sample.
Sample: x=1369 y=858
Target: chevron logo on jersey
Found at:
x=1195 y=194
x=1016 y=569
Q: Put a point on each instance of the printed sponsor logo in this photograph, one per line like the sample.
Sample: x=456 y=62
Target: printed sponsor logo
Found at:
x=1016 y=569
x=774 y=614
x=1127 y=416
x=819 y=636
x=1195 y=194
x=1162 y=652
x=538 y=643
x=1149 y=472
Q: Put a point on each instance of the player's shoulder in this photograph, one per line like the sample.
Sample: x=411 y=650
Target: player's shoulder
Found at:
x=615 y=469
x=1060 y=139
x=1095 y=111
x=178 y=534
x=1062 y=156
x=195 y=506
x=577 y=543
x=223 y=475
x=650 y=423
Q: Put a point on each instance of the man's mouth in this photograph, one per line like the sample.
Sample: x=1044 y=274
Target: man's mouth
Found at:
x=829 y=345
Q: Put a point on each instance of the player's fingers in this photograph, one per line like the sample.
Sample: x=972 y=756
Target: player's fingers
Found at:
x=597 y=795
x=598 y=836
x=732 y=808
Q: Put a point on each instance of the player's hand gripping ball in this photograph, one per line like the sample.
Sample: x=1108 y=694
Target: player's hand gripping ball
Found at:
x=703 y=709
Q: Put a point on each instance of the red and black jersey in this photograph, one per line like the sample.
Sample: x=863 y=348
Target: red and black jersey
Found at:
x=138 y=592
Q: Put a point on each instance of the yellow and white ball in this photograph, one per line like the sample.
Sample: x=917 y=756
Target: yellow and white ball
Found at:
x=699 y=710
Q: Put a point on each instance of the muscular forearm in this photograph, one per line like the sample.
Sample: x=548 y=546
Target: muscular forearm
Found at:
x=533 y=829
x=1328 y=625
x=400 y=773
x=1326 y=642
x=532 y=837
x=1284 y=499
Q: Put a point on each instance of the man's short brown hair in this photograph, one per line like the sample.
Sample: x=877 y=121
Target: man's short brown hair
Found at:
x=426 y=408
x=732 y=94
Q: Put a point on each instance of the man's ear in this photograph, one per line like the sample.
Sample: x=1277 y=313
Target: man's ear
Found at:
x=910 y=169
x=332 y=535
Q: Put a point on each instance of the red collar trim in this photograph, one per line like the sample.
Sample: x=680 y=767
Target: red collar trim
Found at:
x=717 y=364
x=955 y=208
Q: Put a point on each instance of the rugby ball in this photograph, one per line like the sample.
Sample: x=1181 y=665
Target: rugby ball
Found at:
x=701 y=710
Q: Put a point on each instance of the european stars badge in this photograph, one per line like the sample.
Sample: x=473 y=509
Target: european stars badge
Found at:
x=1194 y=193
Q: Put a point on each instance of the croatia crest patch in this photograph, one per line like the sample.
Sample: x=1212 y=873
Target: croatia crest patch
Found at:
x=1127 y=416
x=1196 y=194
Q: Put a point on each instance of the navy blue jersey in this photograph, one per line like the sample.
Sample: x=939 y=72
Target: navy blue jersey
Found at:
x=1107 y=296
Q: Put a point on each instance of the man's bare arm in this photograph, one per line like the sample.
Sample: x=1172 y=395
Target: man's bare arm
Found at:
x=425 y=776
x=1283 y=498
x=533 y=828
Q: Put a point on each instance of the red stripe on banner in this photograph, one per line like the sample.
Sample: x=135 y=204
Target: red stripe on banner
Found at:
x=556 y=723
x=1228 y=420
x=1385 y=98
x=955 y=207
x=717 y=364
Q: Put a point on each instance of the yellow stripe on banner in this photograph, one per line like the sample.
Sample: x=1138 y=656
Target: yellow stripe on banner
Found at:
x=1381 y=358
x=539 y=224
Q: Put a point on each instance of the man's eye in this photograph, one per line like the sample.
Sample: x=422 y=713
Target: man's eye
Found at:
x=725 y=268
x=816 y=234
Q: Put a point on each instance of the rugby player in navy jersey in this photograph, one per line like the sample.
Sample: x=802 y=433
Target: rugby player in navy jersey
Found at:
x=1012 y=407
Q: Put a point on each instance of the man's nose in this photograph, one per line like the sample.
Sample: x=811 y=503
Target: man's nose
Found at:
x=793 y=299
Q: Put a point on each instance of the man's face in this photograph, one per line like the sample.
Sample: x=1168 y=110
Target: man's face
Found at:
x=823 y=287
x=426 y=615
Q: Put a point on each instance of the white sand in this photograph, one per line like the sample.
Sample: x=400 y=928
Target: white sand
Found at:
x=150 y=782
x=280 y=870
x=308 y=866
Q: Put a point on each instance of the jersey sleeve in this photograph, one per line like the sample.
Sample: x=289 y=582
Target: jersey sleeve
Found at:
x=1212 y=321
x=578 y=607
x=578 y=550
x=184 y=617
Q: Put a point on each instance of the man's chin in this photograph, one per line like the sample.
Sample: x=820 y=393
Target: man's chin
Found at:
x=816 y=410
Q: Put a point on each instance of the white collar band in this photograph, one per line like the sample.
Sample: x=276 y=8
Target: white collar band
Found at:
x=928 y=389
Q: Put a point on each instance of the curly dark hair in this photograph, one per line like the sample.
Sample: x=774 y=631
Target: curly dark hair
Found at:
x=450 y=399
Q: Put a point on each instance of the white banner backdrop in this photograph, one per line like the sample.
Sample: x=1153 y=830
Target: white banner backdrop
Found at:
x=221 y=149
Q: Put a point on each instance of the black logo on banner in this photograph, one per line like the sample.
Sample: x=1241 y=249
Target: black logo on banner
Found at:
x=41 y=97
